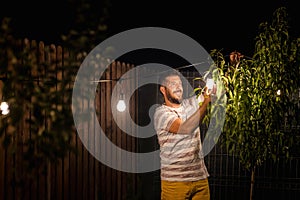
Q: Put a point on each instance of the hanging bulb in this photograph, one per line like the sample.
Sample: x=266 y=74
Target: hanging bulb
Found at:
x=4 y=108
x=5 y=112
x=3 y=105
x=121 y=106
x=278 y=92
x=210 y=84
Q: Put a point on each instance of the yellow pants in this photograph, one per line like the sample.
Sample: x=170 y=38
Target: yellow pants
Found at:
x=194 y=190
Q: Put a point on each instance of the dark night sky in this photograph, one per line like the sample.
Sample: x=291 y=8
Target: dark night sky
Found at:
x=228 y=25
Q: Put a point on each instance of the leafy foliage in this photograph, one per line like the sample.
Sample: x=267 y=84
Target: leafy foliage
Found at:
x=40 y=124
x=39 y=128
x=262 y=111
x=262 y=107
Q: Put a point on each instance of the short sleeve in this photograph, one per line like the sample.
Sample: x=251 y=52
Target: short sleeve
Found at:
x=163 y=119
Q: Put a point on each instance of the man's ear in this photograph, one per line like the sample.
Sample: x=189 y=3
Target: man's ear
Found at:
x=162 y=90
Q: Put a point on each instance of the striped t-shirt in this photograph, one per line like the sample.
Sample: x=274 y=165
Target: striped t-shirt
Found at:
x=181 y=155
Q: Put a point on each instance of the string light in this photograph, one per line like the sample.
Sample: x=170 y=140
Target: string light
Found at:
x=150 y=74
x=4 y=108
x=278 y=92
x=210 y=84
x=121 y=106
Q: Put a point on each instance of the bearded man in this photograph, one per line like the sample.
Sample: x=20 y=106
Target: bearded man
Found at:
x=183 y=172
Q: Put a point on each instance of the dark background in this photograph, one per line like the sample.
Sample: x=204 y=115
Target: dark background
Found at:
x=228 y=25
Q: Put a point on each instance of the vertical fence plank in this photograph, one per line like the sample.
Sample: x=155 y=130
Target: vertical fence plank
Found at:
x=129 y=178
x=129 y=181
x=108 y=132
x=79 y=164
x=134 y=140
x=118 y=139
x=85 y=160
x=97 y=163
x=27 y=189
x=60 y=165
x=123 y=135
x=114 y=130
x=102 y=121
x=41 y=191
x=71 y=156
x=87 y=157
x=9 y=164
x=91 y=160
x=59 y=73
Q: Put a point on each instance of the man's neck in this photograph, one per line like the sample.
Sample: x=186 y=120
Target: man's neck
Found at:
x=172 y=105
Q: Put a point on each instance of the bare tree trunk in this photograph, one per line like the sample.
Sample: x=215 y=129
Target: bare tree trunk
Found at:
x=252 y=183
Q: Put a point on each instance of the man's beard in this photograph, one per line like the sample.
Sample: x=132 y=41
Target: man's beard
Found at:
x=172 y=99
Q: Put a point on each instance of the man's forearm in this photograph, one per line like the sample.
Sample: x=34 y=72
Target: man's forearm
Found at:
x=194 y=120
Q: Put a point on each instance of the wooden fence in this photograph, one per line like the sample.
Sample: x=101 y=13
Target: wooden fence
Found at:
x=78 y=175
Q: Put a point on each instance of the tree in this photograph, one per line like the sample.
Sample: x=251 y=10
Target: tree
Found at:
x=39 y=101
x=39 y=126
x=263 y=96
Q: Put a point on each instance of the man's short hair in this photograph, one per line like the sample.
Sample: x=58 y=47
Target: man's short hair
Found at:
x=165 y=74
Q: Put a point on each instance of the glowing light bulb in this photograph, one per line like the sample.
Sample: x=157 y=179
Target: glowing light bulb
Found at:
x=210 y=83
x=5 y=112
x=3 y=106
x=278 y=92
x=121 y=106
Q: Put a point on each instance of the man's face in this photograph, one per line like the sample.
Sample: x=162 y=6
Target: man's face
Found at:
x=174 y=90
